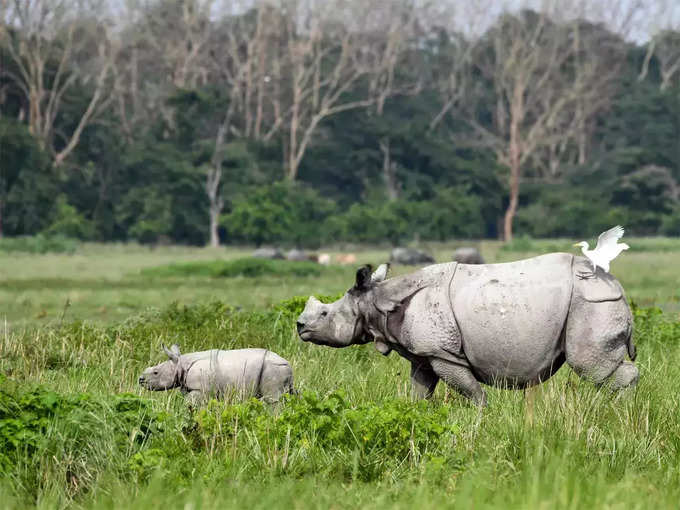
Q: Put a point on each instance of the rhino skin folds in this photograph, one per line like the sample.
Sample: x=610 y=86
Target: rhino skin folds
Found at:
x=510 y=325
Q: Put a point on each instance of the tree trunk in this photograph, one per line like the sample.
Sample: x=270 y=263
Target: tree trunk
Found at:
x=292 y=165
x=214 y=223
x=514 y=199
x=214 y=180
x=2 y=206
x=515 y=160
x=389 y=173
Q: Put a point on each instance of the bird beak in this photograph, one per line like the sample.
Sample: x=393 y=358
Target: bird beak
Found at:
x=577 y=244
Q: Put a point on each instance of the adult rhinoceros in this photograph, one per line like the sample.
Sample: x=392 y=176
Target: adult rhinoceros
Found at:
x=510 y=325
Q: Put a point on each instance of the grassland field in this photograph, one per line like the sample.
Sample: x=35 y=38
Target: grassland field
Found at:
x=77 y=431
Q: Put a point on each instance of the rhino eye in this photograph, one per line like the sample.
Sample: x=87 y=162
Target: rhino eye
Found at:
x=155 y=372
x=324 y=313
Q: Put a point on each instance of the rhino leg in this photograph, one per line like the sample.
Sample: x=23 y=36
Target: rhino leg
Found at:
x=276 y=380
x=597 y=340
x=194 y=398
x=625 y=376
x=423 y=380
x=461 y=379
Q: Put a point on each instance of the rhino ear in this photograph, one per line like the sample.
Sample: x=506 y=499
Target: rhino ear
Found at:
x=363 y=281
x=173 y=352
x=380 y=273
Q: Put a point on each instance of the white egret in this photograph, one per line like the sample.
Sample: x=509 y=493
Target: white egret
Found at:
x=607 y=248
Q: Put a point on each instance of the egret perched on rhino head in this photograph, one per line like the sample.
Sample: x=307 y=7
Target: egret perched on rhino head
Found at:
x=607 y=248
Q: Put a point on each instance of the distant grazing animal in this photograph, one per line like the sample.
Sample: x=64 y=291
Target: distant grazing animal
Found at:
x=268 y=253
x=509 y=325
x=243 y=372
x=468 y=255
x=346 y=258
x=324 y=259
x=410 y=256
x=298 y=256
x=607 y=249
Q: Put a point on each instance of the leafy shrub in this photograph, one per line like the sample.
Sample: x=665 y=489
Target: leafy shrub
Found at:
x=452 y=212
x=670 y=224
x=653 y=327
x=381 y=435
x=68 y=222
x=519 y=244
x=39 y=426
x=39 y=243
x=562 y=211
x=282 y=212
x=246 y=267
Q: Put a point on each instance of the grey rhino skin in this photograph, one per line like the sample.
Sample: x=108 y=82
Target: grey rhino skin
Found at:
x=468 y=255
x=510 y=325
x=268 y=253
x=410 y=256
x=298 y=256
x=244 y=372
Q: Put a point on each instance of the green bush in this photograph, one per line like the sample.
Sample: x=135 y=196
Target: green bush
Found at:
x=521 y=243
x=670 y=224
x=451 y=213
x=280 y=213
x=379 y=436
x=72 y=436
x=68 y=222
x=39 y=243
x=249 y=267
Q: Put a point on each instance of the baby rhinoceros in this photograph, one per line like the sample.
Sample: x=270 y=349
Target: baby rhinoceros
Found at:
x=240 y=372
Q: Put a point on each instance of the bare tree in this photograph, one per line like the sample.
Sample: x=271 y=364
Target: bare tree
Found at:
x=323 y=59
x=665 y=46
x=525 y=59
x=457 y=26
x=597 y=59
x=243 y=56
x=165 y=47
x=395 y=27
x=52 y=46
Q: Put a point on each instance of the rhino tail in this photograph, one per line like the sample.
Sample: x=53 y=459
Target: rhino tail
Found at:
x=632 y=353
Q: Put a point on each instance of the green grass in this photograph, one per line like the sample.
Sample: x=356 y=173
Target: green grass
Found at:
x=354 y=439
x=38 y=244
x=76 y=430
x=247 y=267
x=107 y=283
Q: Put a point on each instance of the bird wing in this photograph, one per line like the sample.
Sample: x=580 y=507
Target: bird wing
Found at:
x=609 y=238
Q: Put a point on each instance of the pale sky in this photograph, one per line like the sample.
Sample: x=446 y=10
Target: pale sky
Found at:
x=635 y=19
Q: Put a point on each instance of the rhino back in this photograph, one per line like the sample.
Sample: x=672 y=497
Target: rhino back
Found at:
x=604 y=287
x=239 y=369
x=511 y=315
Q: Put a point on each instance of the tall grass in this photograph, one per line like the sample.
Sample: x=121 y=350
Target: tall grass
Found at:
x=353 y=438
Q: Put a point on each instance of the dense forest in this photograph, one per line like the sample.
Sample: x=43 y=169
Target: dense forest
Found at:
x=302 y=123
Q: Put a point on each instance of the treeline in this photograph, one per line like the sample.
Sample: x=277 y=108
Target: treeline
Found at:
x=301 y=122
